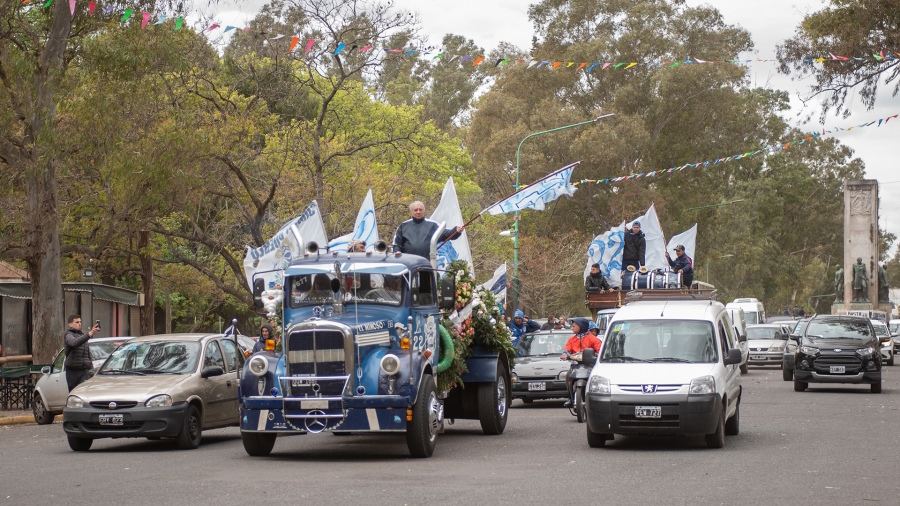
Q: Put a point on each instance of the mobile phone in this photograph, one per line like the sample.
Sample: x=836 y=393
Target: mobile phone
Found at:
x=97 y=324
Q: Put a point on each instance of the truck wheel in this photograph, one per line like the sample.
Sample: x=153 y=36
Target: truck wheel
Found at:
x=493 y=404
x=717 y=438
x=579 y=405
x=422 y=430
x=80 y=444
x=258 y=444
x=787 y=373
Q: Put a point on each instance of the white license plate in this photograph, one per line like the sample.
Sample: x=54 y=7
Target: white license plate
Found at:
x=537 y=387
x=757 y=357
x=837 y=369
x=648 y=412
x=112 y=420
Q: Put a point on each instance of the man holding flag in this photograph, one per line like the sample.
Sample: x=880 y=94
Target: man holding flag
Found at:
x=414 y=235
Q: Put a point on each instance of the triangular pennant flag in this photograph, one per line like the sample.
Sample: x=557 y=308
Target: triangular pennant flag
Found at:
x=48 y=3
x=161 y=20
x=478 y=60
x=229 y=28
x=91 y=7
x=632 y=64
x=340 y=47
x=178 y=23
x=145 y=18
x=294 y=41
x=212 y=27
x=581 y=66
x=72 y=6
x=607 y=64
x=309 y=45
x=277 y=37
x=127 y=15
x=366 y=48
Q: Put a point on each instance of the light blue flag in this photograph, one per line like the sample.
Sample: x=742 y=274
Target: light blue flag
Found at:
x=366 y=228
x=606 y=250
x=538 y=194
x=497 y=284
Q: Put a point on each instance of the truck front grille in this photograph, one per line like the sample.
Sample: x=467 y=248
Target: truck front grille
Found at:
x=317 y=353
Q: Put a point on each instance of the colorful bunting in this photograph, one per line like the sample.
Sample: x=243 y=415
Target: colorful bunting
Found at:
x=91 y=7
x=294 y=41
x=72 y=6
x=178 y=23
x=145 y=18
x=340 y=48
x=127 y=15
x=309 y=45
x=48 y=3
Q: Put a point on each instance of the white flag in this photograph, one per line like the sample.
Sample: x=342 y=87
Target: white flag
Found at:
x=366 y=228
x=688 y=239
x=497 y=284
x=606 y=250
x=538 y=194
x=448 y=212
x=655 y=254
x=269 y=261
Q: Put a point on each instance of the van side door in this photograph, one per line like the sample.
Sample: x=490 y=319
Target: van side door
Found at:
x=732 y=371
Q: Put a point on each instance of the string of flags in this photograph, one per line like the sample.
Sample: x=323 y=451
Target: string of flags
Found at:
x=293 y=42
x=767 y=149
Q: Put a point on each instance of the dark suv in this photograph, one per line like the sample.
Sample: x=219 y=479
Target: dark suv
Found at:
x=838 y=349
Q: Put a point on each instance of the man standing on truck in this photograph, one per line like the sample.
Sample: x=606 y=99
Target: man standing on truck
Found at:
x=634 y=249
x=414 y=235
x=682 y=264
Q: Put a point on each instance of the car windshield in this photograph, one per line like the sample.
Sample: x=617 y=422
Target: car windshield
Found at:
x=839 y=330
x=660 y=341
x=153 y=357
x=800 y=327
x=895 y=328
x=762 y=333
x=539 y=345
x=100 y=350
x=881 y=330
x=315 y=289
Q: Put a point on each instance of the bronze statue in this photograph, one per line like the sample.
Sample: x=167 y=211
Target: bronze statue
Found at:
x=883 y=286
x=860 y=282
x=839 y=284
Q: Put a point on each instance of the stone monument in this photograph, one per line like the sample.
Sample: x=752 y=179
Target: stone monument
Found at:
x=863 y=283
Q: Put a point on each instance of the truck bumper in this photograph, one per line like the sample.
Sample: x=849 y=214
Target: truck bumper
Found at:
x=376 y=413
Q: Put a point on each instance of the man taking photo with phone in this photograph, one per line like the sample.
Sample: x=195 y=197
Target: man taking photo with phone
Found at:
x=78 y=355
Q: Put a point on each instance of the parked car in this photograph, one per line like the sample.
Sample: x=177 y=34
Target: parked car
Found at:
x=173 y=386
x=668 y=367
x=790 y=349
x=885 y=340
x=894 y=325
x=538 y=372
x=738 y=320
x=767 y=343
x=51 y=389
x=838 y=349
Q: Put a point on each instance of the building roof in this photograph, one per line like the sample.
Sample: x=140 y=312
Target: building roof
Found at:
x=11 y=272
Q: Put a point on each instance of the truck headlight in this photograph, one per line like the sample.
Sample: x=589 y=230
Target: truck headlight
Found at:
x=159 y=401
x=703 y=385
x=258 y=365
x=390 y=364
x=598 y=385
x=74 y=402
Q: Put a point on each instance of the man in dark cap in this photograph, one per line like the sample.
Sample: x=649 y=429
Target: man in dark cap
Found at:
x=635 y=248
x=683 y=264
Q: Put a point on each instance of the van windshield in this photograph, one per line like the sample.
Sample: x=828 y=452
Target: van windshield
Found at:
x=660 y=341
x=751 y=318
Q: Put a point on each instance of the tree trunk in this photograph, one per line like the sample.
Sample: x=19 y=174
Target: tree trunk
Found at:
x=147 y=312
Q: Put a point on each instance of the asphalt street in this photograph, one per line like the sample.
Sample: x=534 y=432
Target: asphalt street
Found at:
x=828 y=445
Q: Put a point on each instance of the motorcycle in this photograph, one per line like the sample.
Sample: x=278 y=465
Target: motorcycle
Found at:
x=576 y=379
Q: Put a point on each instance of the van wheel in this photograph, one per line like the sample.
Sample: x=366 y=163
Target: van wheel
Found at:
x=787 y=374
x=876 y=388
x=733 y=425
x=717 y=438
x=745 y=368
x=800 y=386
x=597 y=440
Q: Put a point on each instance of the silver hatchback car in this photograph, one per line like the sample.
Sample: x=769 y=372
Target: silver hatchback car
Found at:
x=163 y=386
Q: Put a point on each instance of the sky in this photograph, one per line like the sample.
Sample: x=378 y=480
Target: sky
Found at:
x=488 y=22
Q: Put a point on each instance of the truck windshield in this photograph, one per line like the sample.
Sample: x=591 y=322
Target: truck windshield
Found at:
x=660 y=341
x=358 y=287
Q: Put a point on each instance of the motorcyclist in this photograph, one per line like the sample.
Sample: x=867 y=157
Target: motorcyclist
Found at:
x=582 y=339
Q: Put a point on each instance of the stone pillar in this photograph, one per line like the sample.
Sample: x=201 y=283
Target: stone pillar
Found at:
x=860 y=242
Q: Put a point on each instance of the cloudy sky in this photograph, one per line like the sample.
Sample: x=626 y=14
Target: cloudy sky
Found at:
x=489 y=22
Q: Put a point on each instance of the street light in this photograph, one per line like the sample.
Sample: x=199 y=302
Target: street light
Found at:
x=515 y=231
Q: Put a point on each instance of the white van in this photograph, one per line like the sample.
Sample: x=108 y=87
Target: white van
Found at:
x=666 y=367
x=754 y=313
x=738 y=320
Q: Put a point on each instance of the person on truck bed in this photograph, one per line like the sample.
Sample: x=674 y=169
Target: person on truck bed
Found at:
x=683 y=264
x=414 y=235
x=634 y=249
x=595 y=282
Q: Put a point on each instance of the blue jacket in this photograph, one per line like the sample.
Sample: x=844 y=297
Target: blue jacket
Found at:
x=518 y=331
x=683 y=262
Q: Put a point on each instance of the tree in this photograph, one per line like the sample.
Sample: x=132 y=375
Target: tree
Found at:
x=866 y=29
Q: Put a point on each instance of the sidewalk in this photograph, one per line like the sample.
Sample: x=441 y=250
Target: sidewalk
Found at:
x=16 y=416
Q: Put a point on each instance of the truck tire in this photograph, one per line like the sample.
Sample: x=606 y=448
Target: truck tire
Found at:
x=258 y=444
x=422 y=430
x=493 y=404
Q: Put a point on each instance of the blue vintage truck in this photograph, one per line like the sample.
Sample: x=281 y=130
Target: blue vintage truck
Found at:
x=362 y=347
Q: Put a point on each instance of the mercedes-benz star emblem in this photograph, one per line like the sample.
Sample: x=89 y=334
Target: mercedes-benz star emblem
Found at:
x=112 y=405
x=649 y=389
x=315 y=424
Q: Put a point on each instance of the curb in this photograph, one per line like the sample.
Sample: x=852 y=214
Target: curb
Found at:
x=14 y=420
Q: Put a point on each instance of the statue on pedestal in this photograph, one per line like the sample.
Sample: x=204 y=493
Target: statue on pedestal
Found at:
x=860 y=282
x=839 y=284
x=883 y=286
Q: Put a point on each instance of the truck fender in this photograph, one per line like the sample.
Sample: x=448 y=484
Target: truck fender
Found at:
x=447 y=350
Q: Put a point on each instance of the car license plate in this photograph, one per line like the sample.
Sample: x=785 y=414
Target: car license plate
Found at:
x=837 y=369
x=537 y=387
x=112 y=420
x=648 y=412
x=757 y=357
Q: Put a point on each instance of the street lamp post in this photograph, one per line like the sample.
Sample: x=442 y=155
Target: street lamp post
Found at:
x=515 y=287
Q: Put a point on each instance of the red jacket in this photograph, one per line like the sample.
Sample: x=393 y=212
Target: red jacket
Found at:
x=576 y=345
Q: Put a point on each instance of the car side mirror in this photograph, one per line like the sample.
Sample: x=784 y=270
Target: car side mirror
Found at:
x=742 y=338
x=211 y=371
x=589 y=356
x=734 y=357
x=45 y=369
x=795 y=338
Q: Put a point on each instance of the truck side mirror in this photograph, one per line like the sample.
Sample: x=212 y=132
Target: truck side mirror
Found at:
x=259 y=286
x=448 y=293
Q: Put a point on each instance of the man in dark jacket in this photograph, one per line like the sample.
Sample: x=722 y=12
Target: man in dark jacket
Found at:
x=414 y=235
x=634 y=248
x=682 y=264
x=595 y=282
x=78 y=355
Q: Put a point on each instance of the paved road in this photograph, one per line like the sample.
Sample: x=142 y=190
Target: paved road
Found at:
x=836 y=445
